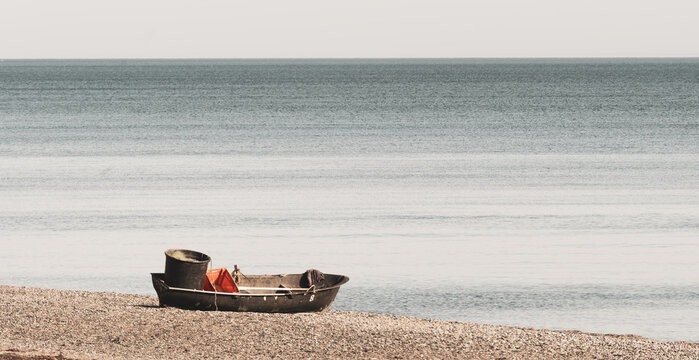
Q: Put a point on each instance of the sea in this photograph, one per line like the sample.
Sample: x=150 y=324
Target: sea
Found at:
x=544 y=193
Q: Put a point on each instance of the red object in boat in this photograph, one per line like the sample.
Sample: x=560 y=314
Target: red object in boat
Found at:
x=220 y=280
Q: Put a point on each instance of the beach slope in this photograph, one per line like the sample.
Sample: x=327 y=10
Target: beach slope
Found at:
x=60 y=324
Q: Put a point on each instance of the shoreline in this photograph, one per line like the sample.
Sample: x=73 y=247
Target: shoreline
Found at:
x=69 y=324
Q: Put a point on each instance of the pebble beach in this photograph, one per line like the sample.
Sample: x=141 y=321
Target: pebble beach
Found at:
x=65 y=324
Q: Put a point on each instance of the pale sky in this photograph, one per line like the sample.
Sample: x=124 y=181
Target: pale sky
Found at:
x=347 y=29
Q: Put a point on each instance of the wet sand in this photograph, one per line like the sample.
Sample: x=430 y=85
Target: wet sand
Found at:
x=60 y=324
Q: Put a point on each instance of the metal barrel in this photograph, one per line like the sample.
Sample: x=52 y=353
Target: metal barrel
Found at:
x=185 y=268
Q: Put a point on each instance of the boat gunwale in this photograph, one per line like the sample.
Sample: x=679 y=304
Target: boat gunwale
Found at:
x=160 y=278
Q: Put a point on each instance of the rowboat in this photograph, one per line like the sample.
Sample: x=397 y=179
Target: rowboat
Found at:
x=259 y=293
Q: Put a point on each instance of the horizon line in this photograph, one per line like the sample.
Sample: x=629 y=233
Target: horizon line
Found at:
x=363 y=58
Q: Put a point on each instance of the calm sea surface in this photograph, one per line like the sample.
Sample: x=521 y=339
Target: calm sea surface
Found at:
x=542 y=193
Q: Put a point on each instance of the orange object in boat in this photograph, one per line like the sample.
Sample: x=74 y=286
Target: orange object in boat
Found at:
x=220 y=280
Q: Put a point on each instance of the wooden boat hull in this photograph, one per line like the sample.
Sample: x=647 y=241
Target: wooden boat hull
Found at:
x=256 y=301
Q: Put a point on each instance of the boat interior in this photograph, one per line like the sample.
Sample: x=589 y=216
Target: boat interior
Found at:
x=257 y=284
x=280 y=284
